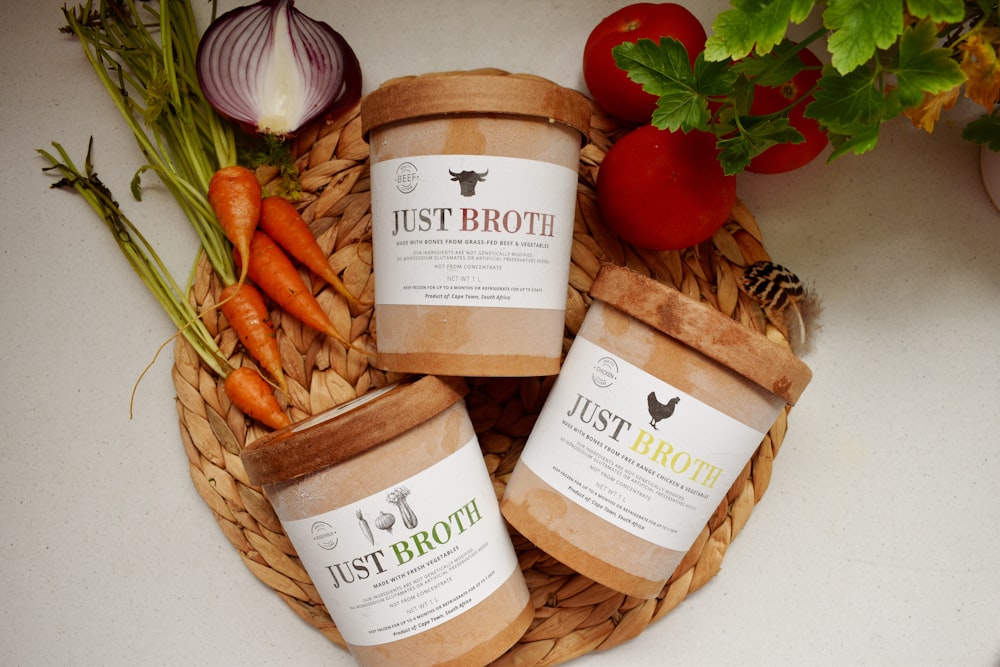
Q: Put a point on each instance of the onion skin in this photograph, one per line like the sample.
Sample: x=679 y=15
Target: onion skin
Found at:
x=272 y=70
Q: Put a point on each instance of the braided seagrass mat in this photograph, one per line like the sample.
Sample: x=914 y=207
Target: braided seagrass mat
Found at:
x=573 y=615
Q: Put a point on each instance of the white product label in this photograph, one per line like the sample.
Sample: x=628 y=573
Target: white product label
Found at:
x=409 y=558
x=472 y=230
x=634 y=450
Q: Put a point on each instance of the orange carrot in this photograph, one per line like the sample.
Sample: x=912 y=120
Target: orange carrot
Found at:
x=244 y=307
x=251 y=393
x=234 y=194
x=280 y=220
x=277 y=277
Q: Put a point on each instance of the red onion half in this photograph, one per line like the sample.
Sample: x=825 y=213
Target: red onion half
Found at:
x=272 y=69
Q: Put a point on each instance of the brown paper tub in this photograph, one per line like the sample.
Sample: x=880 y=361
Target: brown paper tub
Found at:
x=658 y=408
x=473 y=202
x=393 y=514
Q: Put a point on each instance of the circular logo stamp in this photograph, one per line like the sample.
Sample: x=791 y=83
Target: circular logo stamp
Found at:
x=605 y=372
x=407 y=177
x=324 y=535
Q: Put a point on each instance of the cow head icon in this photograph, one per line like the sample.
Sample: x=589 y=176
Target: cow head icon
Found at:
x=468 y=180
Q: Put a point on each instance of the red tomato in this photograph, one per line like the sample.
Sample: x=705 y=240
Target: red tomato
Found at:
x=664 y=190
x=786 y=157
x=609 y=86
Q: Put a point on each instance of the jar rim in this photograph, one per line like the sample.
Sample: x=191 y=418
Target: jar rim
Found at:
x=754 y=356
x=491 y=91
x=350 y=429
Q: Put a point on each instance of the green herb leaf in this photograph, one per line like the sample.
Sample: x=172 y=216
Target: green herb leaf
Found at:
x=948 y=11
x=922 y=66
x=859 y=27
x=665 y=71
x=774 y=68
x=847 y=104
x=756 y=135
x=143 y=55
x=753 y=25
x=886 y=56
x=984 y=130
x=861 y=142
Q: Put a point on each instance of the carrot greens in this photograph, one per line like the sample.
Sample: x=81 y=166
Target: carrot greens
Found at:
x=144 y=55
x=139 y=253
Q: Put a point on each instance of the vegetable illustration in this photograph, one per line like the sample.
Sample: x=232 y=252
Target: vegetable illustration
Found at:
x=365 y=528
x=385 y=521
x=398 y=498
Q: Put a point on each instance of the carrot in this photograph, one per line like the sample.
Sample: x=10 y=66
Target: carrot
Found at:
x=234 y=194
x=244 y=307
x=280 y=220
x=277 y=277
x=250 y=392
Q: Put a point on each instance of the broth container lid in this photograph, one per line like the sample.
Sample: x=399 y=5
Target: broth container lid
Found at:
x=487 y=91
x=350 y=429
x=705 y=329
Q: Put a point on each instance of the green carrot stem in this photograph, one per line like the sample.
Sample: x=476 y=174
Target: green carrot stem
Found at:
x=154 y=86
x=140 y=255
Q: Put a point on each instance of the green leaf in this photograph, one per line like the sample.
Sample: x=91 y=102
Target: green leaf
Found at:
x=680 y=112
x=859 y=143
x=767 y=132
x=774 y=68
x=741 y=96
x=664 y=71
x=859 y=28
x=948 y=11
x=755 y=136
x=734 y=154
x=847 y=103
x=657 y=67
x=713 y=78
x=922 y=66
x=753 y=26
x=135 y=185
x=987 y=7
x=984 y=130
x=682 y=92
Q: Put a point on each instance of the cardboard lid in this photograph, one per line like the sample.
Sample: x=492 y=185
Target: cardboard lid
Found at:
x=348 y=430
x=489 y=91
x=703 y=328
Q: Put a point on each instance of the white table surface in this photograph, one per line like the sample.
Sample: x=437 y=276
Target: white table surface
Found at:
x=875 y=544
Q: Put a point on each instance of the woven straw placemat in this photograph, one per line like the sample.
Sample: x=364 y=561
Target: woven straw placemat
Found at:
x=573 y=615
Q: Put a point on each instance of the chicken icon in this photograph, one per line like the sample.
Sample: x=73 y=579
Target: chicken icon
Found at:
x=658 y=411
